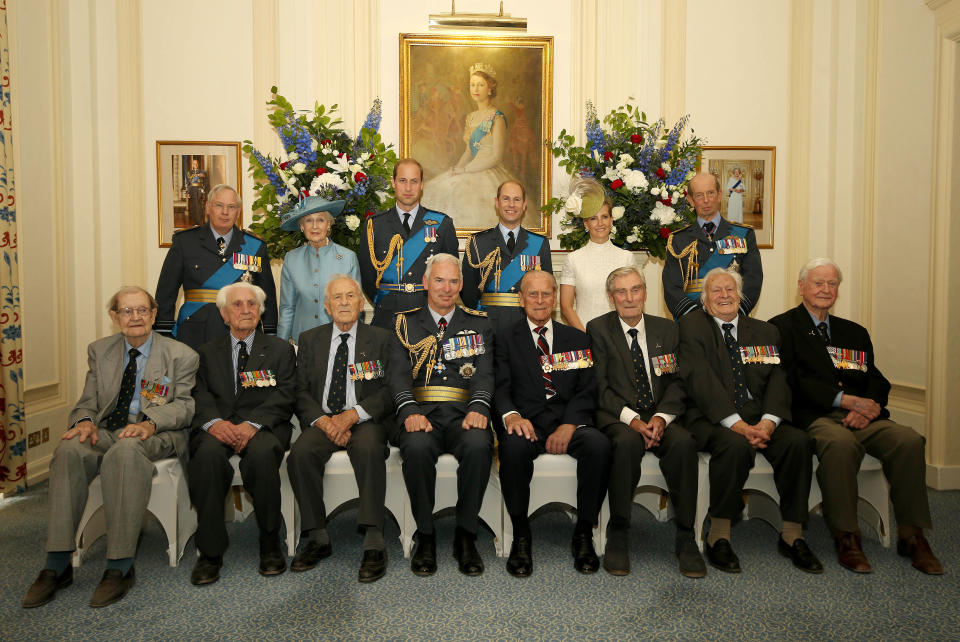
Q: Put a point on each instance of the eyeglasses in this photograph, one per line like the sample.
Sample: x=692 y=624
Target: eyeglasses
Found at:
x=129 y=312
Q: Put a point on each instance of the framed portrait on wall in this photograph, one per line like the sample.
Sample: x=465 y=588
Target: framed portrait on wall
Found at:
x=186 y=170
x=747 y=176
x=475 y=111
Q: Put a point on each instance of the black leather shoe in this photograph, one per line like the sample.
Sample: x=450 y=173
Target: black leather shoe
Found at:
x=585 y=557
x=465 y=551
x=520 y=562
x=689 y=557
x=616 y=557
x=311 y=553
x=424 y=559
x=801 y=555
x=206 y=570
x=373 y=566
x=721 y=556
x=45 y=587
x=272 y=560
x=112 y=587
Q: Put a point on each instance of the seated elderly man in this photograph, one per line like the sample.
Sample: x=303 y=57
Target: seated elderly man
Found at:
x=840 y=398
x=740 y=403
x=134 y=409
x=244 y=400
x=342 y=403
x=547 y=394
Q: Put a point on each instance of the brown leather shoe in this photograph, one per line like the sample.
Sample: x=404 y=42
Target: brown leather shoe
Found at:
x=918 y=550
x=850 y=554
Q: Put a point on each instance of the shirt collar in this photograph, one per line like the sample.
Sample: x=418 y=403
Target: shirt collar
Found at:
x=226 y=237
x=234 y=342
x=735 y=322
x=144 y=350
x=640 y=327
x=504 y=230
x=412 y=213
x=436 y=315
x=352 y=332
x=817 y=322
x=533 y=326
x=715 y=220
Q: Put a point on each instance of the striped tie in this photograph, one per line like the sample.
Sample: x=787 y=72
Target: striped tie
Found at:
x=545 y=352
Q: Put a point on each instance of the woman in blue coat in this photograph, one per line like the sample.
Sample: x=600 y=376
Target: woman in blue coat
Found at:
x=307 y=269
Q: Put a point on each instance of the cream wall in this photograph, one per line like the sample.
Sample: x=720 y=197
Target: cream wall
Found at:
x=847 y=90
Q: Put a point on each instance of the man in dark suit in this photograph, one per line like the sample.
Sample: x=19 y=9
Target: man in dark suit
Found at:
x=741 y=404
x=134 y=410
x=840 y=398
x=203 y=259
x=546 y=395
x=640 y=395
x=343 y=404
x=244 y=400
x=710 y=242
x=394 y=250
x=496 y=259
x=441 y=378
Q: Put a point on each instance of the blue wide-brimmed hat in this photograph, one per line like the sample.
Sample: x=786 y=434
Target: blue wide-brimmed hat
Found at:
x=309 y=205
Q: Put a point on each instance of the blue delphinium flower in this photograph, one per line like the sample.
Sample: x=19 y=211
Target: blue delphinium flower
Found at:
x=598 y=142
x=272 y=175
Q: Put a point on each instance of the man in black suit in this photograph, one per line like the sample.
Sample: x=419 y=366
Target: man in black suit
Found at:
x=640 y=395
x=343 y=403
x=441 y=378
x=244 y=399
x=397 y=243
x=840 y=397
x=546 y=394
x=741 y=404
x=496 y=259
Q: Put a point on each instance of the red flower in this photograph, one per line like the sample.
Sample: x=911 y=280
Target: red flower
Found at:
x=615 y=185
x=340 y=155
x=664 y=232
x=283 y=165
x=661 y=173
x=666 y=201
x=607 y=155
x=325 y=141
x=369 y=214
x=359 y=176
x=636 y=138
x=321 y=170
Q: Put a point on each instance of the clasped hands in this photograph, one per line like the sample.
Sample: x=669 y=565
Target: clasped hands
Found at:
x=237 y=436
x=861 y=411
x=652 y=430
x=556 y=443
x=757 y=434
x=86 y=429
x=419 y=423
x=337 y=427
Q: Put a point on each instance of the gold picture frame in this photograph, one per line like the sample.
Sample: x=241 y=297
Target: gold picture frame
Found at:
x=758 y=177
x=438 y=111
x=186 y=170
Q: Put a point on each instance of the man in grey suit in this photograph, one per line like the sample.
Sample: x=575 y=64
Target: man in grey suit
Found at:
x=640 y=396
x=133 y=410
x=342 y=402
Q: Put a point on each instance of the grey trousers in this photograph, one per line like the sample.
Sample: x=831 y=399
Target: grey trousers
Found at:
x=126 y=475
x=899 y=448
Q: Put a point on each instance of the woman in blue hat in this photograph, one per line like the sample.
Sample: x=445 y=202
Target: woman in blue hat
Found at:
x=307 y=269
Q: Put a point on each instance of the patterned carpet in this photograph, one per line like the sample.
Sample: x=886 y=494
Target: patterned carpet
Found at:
x=768 y=601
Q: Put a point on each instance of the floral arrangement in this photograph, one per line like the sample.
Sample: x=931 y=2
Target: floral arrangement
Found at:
x=319 y=159
x=644 y=168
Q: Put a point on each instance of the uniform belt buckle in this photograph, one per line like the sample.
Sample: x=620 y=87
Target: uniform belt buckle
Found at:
x=408 y=287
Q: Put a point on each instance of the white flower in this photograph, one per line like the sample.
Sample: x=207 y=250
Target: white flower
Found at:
x=339 y=164
x=364 y=157
x=283 y=158
x=382 y=196
x=666 y=166
x=314 y=144
x=690 y=175
x=299 y=168
x=612 y=174
x=617 y=212
x=635 y=180
x=655 y=191
x=292 y=182
x=613 y=230
x=327 y=180
x=636 y=230
x=354 y=168
x=596 y=156
x=573 y=204
x=632 y=238
x=269 y=207
x=352 y=221
x=625 y=159
x=293 y=156
x=675 y=198
x=663 y=214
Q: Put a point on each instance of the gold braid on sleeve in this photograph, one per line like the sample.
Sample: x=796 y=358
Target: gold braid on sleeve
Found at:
x=396 y=244
x=424 y=350
x=689 y=253
x=490 y=263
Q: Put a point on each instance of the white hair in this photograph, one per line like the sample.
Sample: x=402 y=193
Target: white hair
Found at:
x=624 y=271
x=337 y=277
x=718 y=272
x=813 y=264
x=216 y=189
x=223 y=296
x=441 y=258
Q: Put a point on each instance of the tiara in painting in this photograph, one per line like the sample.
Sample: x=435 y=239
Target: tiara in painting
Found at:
x=485 y=68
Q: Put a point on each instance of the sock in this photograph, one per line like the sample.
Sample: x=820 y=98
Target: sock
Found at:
x=123 y=564
x=58 y=561
x=373 y=539
x=791 y=532
x=906 y=532
x=719 y=529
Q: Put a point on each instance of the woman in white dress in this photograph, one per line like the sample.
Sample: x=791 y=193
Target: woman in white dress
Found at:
x=467 y=189
x=583 y=294
x=735 y=189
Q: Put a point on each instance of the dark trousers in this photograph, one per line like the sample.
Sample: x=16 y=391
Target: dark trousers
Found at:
x=789 y=451
x=420 y=450
x=210 y=476
x=588 y=446
x=367 y=449
x=678 y=463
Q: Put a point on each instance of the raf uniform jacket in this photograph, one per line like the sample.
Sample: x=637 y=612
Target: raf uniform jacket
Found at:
x=385 y=226
x=708 y=375
x=748 y=264
x=170 y=364
x=472 y=373
x=813 y=378
x=520 y=385
x=193 y=257
x=616 y=379
x=269 y=406
x=372 y=344
x=479 y=246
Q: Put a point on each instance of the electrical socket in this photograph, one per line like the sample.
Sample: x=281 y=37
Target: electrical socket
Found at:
x=33 y=439
x=45 y=435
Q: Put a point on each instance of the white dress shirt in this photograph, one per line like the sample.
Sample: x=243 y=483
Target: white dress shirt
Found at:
x=351 y=398
x=727 y=422
x=627 y=414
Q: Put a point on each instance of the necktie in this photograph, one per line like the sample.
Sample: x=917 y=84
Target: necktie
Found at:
x=221 y=245
x=740 y=397
x=644 y=394
x=118 y=418
x=242 y=357
x=337 y=397
x=442 y=326
x=822 y=327
x=511 y=241
x=545 y=352
x=708 y=229
x=406 y=222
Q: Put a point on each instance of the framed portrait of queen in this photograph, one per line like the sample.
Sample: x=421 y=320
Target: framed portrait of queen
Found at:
x=475 y=111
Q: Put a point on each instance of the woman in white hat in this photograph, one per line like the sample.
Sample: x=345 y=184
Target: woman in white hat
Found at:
x=307 y=269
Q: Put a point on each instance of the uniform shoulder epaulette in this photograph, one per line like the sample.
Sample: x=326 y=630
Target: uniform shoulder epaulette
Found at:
x=680 y=229
x=476 y=313
x=378 y=214
x=409 y=311
x=186 y=229
x=256 y=236
x=741 y=225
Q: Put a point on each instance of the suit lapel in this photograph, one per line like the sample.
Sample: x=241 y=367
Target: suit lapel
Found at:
x=323 y=357
x=112 y=372
x=257 y=352
x=525 y=343
x=153 y=369
x=654 y=347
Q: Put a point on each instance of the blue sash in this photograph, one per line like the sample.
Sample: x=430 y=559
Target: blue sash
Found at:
x=512 y=274
x=482 y=130
x=717 y=260
x=223 y=276
x=413 y=247
x=735 y=186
